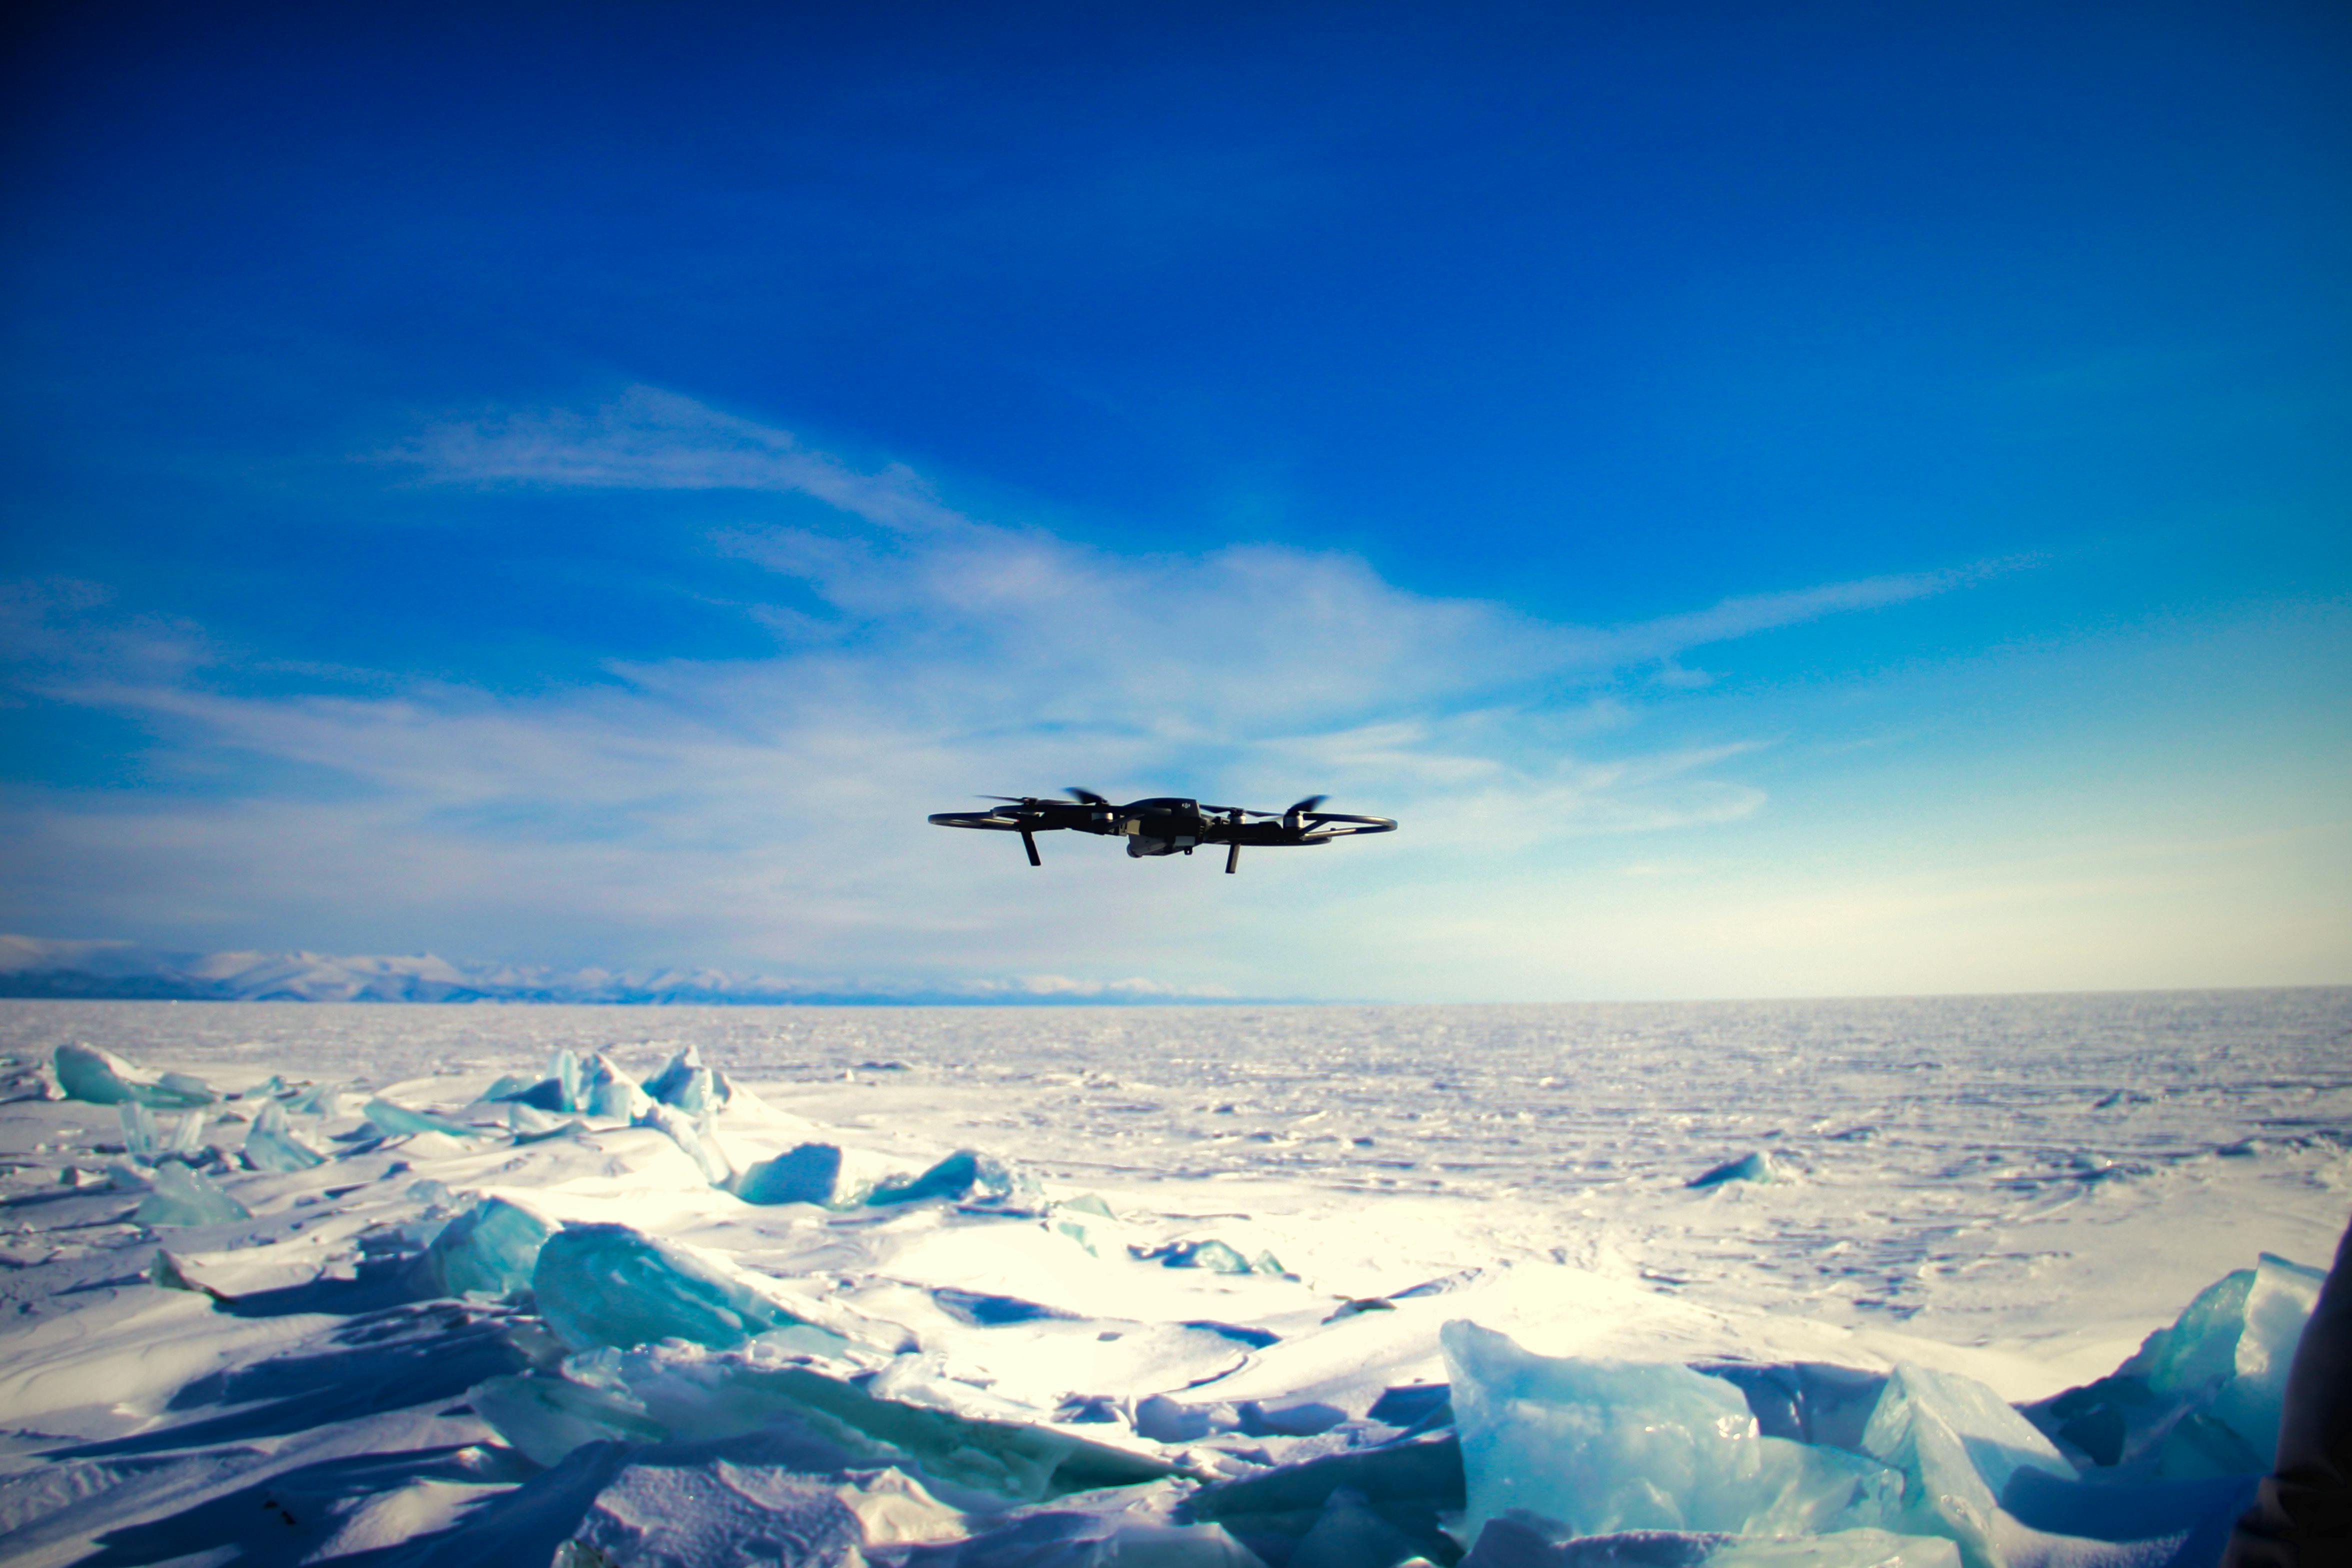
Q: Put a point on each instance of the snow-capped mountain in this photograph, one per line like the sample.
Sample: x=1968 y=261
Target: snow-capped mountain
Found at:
x=126 y=971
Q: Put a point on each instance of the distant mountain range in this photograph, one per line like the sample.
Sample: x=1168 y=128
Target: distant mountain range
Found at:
x=124 y=971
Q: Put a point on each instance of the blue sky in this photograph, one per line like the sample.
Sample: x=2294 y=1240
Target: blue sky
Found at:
x=1783 y=500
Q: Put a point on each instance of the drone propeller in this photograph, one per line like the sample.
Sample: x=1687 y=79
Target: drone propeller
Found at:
x=1290 y=817
x=1084 y=797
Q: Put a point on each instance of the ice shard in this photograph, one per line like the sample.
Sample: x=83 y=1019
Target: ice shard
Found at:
x=179 y=1195
x=1606 y=1445
x=690 y=1396
x=2228 y=1351
x=688 y=1085
x=681 y=1129
x=490 y=1250
x=1216 y=1256
x=319 y=1099
x=2202 y=1397
x=546 y=1417
x=102 y=1077
x=611 y=1285
x=393 y=1121
x=810 y=1173
x=563 y=1070
x=964 y=1174
x=1760 y=1166
x=609 y=1091
x=270 y=1144
x=147 y=1138
x=1955 y=1444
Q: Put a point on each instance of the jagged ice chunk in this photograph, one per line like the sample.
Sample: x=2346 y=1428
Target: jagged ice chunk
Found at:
x=270 y=1144
x=1605 y=1446
x=1955 y=1444
x=183 y=1197
x=611 y=1285
x=102 y=1077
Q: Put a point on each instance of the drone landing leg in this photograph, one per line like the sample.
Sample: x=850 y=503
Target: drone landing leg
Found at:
x=1029 y=842
x=1233 y=859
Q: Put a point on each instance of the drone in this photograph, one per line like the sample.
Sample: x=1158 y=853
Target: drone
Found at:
x=1165 y=824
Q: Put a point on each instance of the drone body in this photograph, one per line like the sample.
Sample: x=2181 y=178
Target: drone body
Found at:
x=1165 y=824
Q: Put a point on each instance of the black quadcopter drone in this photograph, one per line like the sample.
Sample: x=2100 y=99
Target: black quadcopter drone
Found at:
x=1163 y=825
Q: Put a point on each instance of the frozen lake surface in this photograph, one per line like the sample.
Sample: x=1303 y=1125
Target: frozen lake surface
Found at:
x=2018 y=1190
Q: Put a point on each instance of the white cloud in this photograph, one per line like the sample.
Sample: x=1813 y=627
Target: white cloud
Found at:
x=770 y=810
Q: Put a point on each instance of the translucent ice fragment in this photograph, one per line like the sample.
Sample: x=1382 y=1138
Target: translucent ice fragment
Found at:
x=810 y=1173
x=1087 y=1220
x=965 y=1173
x=2227 y=1352
x=85 y=1072
x=1605 y=1446
x=609 y=1091
x=547 y=1417
x=505 y=1088
x=711 y=1396
x=609 y=1285
x=1215 y=1256
x=270 y=1143
x=1955 y=1444
x=393 y=1121
x=488 y=1250
x=686 y=1083
x=318 y=1099
x=563 y=1070
x=529 y=1124
x=147 y=1138
x=167 y=1273
x=180 y=1196
x=681 y=1131
x=1757 y=1167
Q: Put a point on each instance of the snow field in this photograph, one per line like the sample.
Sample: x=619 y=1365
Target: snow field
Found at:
x=1094 y=1285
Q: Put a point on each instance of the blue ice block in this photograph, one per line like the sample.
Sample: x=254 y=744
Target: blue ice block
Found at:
x=681 y=1129
x=1955 y=1444
x=2227 y=1354
x=609 y=1285
x=564 y=1068
x=183 y=1197
x=102 y=1077
x=1607 y=1446
x=964 y=1174
x=393 y=1121
x=270 y=1144
x=688 y=1085
x=609 y=1091
x=546 y=1418
x=1760 y=1166
x=488 y=1250
x=810 y=1173
x=147 y=1138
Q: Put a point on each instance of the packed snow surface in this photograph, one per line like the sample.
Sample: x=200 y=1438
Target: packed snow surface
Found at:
x=1960 y=1281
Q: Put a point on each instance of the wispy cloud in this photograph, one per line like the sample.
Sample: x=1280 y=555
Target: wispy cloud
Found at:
x=768 y=810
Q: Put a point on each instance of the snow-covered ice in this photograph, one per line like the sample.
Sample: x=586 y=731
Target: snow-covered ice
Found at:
x=1982 y=1281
